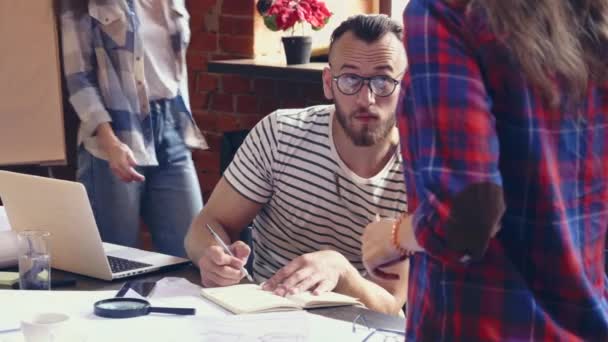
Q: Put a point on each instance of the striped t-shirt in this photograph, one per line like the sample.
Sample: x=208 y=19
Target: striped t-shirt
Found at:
x=312 y=200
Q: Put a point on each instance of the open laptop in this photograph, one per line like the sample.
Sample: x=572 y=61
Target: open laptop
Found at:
x=63 y=209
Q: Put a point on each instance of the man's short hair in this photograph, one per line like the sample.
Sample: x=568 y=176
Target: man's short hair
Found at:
x=367 y=27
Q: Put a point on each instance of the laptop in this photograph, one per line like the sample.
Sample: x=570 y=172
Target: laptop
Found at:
x=63 y=209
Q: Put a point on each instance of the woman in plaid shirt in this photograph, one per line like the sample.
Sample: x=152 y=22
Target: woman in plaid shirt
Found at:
x=125 y=68
x=504 y=133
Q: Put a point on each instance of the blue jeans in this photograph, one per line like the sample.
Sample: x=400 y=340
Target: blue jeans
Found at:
x=167 y=200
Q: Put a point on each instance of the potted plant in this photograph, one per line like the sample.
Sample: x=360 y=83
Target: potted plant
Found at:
x=285 y=14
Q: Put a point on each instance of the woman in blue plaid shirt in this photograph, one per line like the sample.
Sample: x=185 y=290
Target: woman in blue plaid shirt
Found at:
x=124 y=64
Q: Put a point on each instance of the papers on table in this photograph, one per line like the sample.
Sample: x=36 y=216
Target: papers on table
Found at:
x=18 y=305
x=209 y=324
x=8 y=325
x=292 y=326
x=289 y=326
x=179 y=292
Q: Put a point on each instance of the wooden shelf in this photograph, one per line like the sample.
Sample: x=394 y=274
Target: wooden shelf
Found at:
x=310 y=72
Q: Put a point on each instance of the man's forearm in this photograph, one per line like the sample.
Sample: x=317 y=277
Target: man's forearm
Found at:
x=374 y=296
x=199 y=238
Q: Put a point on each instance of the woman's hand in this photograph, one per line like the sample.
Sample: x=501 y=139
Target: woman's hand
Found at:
x=120 y=157
x=379 y=251
x=122 y=163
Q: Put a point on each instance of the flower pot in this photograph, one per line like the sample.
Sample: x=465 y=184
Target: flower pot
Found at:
x=297 y=49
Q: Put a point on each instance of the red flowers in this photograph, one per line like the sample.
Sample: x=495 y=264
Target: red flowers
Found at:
x=284 y=14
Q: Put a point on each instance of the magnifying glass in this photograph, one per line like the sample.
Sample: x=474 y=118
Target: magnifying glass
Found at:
x=133 y=307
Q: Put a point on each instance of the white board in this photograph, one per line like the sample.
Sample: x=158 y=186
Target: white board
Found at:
x=31 y=113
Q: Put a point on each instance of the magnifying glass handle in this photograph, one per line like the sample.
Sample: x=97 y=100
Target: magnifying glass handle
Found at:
x=173 y=311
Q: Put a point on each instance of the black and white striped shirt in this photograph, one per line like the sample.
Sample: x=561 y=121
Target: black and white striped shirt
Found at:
x=312 y=200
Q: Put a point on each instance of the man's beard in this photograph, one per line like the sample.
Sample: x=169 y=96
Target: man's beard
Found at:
x=367 y=136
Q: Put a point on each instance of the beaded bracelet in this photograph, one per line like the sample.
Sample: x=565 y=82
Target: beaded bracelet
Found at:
x=395 y=236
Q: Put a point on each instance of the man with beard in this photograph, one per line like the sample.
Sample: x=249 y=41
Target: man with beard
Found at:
x=311 y=179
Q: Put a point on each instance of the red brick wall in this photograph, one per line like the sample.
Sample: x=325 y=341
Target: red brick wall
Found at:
x=229 y=29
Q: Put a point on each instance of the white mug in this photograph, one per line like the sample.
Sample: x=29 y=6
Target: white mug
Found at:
x=45 y=327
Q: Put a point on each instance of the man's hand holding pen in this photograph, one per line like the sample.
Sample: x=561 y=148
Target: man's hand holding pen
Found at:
x=223 y=264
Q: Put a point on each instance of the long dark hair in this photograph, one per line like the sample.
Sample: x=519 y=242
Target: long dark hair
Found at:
x=564 y=39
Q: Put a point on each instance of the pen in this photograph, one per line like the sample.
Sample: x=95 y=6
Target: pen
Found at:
x=221 y=242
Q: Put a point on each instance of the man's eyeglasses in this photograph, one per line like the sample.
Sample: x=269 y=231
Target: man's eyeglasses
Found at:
x=385 y=335
x=380 y=85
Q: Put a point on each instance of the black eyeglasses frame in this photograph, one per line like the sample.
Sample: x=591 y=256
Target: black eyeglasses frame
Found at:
x=364 y=80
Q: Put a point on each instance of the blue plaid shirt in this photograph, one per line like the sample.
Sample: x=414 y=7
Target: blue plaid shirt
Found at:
x=104 y=70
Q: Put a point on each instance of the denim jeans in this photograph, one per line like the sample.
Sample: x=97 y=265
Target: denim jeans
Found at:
x=166 y=201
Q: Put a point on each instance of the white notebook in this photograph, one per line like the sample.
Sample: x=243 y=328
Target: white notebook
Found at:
x=250 y=298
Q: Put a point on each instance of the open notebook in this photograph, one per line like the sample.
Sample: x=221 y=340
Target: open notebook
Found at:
x=250 y=298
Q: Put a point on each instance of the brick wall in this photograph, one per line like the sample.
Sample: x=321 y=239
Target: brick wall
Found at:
x=232 y=29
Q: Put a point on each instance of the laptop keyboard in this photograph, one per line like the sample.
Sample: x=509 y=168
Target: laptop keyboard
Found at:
x=120 y=265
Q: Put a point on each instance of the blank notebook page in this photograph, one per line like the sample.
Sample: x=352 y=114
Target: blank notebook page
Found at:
x=308 y=300
x=248 y=298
